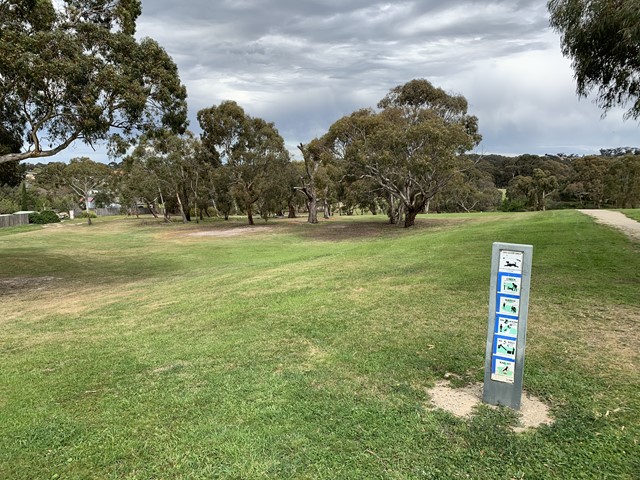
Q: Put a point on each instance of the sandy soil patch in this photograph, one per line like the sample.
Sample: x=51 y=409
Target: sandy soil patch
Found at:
x=462 y=401
x=617 y=220
x=234 y=232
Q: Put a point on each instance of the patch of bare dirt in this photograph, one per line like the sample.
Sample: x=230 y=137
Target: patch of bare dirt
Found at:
x=16 y=285
x=461 y=402
x=337 y=231
x=617 y=220
x=232 y=232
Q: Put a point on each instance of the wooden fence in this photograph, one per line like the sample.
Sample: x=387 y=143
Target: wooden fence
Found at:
x=107 y=212
x=14 y=219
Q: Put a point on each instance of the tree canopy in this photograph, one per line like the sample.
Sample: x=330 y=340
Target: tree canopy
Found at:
x=411 y=148
x=602 y=38
x=73 y=70
x=249 y=149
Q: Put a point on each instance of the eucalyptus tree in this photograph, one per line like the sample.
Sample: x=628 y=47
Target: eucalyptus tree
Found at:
x=250 y=148
x=411 y=147
x=602 y=38
x=73 y=70
x=313 y=155
x=82 y=176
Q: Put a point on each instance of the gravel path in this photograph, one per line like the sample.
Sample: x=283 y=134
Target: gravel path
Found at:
x=616 y=220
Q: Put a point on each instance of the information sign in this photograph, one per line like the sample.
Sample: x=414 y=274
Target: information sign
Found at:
x=507 y=326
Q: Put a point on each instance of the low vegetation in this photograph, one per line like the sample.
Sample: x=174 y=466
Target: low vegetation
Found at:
x=135 y=349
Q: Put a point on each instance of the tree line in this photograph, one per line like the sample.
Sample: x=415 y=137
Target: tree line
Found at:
x=74 y=71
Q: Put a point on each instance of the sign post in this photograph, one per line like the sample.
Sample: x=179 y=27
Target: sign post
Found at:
x=507 y=327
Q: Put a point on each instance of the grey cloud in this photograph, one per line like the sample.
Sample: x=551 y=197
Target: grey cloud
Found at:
x=305 y=64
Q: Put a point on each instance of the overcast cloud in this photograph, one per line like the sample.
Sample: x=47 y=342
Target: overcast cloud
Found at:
x=304 y=64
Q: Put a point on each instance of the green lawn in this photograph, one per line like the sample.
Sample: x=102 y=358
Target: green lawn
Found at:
x=632 y=213
x=131 y=349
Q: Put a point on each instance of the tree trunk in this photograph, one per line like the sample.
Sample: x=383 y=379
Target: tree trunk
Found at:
x=151 y=209
x=86 y=209
x=312 y=205
x=184 y=216
x=410 y=217
x=250 y=215
x=292 y=211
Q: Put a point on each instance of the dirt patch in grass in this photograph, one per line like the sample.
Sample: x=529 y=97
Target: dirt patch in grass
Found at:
x=462 y=402
x=331 y=231
x=17 y=285
x=231 y=232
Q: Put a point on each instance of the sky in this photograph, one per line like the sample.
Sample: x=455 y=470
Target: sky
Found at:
x=305 y=64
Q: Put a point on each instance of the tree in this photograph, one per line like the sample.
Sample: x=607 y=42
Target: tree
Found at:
x=75 y=71
x=411 y=148
x=622 y=185
x=587 y=183
x=533 y=189
x=86 y=177
x=602 y=38
x=251 y=149
x=312 y=158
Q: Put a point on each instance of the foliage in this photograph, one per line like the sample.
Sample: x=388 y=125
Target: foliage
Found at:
x=533 y=190
x=622 y=185
x=73 y=70
x=587 y=183
x=82 y=177
x=252 y=151
x=602 y=38
x=46 y=216
x=8 y=206
x=12 y=174
x=88 y=214
x=412 y=147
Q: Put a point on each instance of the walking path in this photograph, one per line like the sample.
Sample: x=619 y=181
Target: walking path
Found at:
x=616 y=220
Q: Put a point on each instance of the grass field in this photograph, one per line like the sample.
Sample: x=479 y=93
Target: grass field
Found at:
x=135 y=350
x=632 y=213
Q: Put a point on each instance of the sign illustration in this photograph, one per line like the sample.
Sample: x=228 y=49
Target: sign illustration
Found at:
x=505 y=348
x=508 y=305
x=507 y=327
x=510 y=284
x=503 y=370
x=510 y=262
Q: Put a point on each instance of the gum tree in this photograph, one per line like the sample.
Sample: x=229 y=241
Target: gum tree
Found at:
x=251 y=150
x=602 y=39
x=72 y=70
x=411 y=147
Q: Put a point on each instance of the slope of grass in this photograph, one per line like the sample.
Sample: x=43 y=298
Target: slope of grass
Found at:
x=134 y=350
x=632 y=213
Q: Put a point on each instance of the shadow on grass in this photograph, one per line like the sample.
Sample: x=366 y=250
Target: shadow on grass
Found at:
x=333 y=231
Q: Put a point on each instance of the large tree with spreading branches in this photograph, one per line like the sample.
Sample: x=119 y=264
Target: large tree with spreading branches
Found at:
x=602 y=38
x=72 y=70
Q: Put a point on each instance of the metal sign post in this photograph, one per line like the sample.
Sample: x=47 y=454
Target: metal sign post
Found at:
x=507 y=329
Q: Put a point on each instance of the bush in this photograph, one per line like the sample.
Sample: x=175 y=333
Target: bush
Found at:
x=512 y=206
x=88 y=214
x=8 y=206
x=48 y=216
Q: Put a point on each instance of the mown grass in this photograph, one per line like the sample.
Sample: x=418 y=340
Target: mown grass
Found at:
x=632 y=213
x=131 y=349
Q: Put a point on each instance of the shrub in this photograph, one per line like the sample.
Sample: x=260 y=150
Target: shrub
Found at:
x=47 y=216
x=8 y=206
x=88 y=214
x=512 y=206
